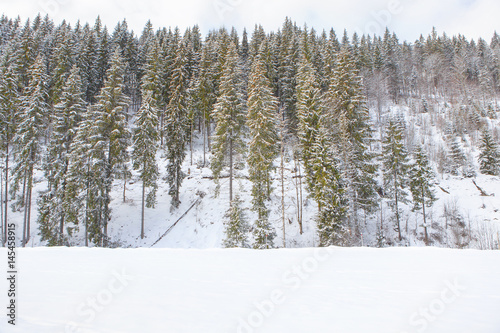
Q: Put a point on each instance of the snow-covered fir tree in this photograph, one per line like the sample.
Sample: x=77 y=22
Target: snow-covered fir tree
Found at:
x=109 y=140
x=328 y=192
x=236 y=226
x=262 y=148
x=421 y=185
x=489 y=157
x=145 y=146
x=349 y=119
x=27 y=142
x=395 y=170
x=229 y=116
x=9 y=104
x=177 y=124
x=54 y=204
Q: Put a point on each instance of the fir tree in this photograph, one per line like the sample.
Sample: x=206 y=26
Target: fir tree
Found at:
x=395 y=169
x=421 y=185
x=229 y=118
x=54 y=204
x=32 y=126
x=9 y=104
x=309 y=112
x=455 y=158
x=205 y=95
x=328 y=192
x=262 y=148
x=349 y=120
x=489 y=157
x=177 y=124
x=144 y=153
x=236 y=226
x=109 y=140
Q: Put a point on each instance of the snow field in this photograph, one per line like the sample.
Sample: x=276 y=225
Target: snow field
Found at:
x=288 y=290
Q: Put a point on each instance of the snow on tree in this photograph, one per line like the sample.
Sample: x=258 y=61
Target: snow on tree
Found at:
x=456 y=161
x=177 y=124
x=262 y=148
x=9 y=104
x=109 y=140
x=489 y=157
x=236 y=226
x=328 y=192
x=349 y=120
x=145 y=146
x=421 y=185
x=32 y=126
x=395 y=170
x=54 y=204
x=229 y=116
x=309 y=112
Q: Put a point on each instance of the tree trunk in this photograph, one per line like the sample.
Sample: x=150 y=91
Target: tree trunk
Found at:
x=29 y=189
x=142 y=212
x=230 y=171
x=6 y=209
x=425 y=220
x=397 y=208
x=204 y=139
x=124 y=187
x=283 y=187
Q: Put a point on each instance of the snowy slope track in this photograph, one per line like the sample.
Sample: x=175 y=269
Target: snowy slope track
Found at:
x=341 y=290
x=197 y=202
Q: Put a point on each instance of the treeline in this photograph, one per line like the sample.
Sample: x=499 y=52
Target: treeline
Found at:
x=86 y=106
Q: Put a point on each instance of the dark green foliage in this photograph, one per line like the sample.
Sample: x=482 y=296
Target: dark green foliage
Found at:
x=236 y=226
x=489 y=158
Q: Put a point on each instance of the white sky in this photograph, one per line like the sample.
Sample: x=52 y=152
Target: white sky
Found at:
x=408 y=18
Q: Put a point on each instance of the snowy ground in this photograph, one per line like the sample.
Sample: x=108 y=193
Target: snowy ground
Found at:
x=288 y=290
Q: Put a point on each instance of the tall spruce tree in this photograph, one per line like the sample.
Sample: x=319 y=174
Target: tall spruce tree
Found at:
x=144 y=153
x=9 y=104
x=229 y=116
x=54 y=204
x=31 y=129
x=177 y=123
x=395 y=170
x=349 y=120
x=236 y=226
x=421 y=185
x=109 y=140
x=310 y=111
x=489 y=157
x=262 y=148
x=328 y=192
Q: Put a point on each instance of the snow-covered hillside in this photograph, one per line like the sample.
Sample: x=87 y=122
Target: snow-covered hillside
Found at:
x=344 y=290
x=202 y=226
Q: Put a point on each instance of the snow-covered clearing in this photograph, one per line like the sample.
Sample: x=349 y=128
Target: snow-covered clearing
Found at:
x=365 y=290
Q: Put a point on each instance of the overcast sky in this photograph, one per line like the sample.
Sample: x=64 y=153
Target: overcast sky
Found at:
x=408 y=18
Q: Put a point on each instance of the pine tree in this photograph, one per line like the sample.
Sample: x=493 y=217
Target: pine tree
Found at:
x=109 y=140
x=349 y=120
x=9 y=104
x=54 y=204
x=328 y=192
x=236 y=226
x=145 y=148
x=455 y=158
x=309 y=112
x=32 y=126
x=489 y=158
x=421 y=185
x=177 y=124
x=205 y=94
x=229 y=118
x=395 y=169
x=262 y=148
